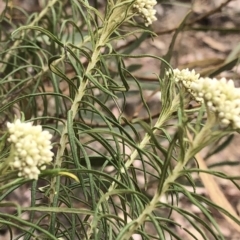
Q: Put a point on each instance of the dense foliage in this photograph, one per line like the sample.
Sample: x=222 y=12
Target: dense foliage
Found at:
x=113 y=175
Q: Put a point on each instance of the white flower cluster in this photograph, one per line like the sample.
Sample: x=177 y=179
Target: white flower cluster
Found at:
x=220 y=96
x=185 y=76
x=145 y=9
x=31 y=148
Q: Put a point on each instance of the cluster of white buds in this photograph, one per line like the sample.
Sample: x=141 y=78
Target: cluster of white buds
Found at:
x=31 y=148
x=185 y=76
x=145 y=9
x=219 y=95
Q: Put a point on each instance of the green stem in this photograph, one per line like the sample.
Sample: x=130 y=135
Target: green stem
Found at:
x=55 y=182
x=202 y=137
x=77 y=100
x=110 y=25
x=151 y=207
x=161 y=120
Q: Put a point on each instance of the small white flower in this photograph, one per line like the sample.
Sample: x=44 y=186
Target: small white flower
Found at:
x=145 y=9
x=185 y=76
x=31 y=148
x=219 y=95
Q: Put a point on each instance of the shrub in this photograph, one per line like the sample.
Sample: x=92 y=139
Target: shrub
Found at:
x=105 y=174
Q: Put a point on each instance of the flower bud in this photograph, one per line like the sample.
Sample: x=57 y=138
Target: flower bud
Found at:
x=31 y=148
